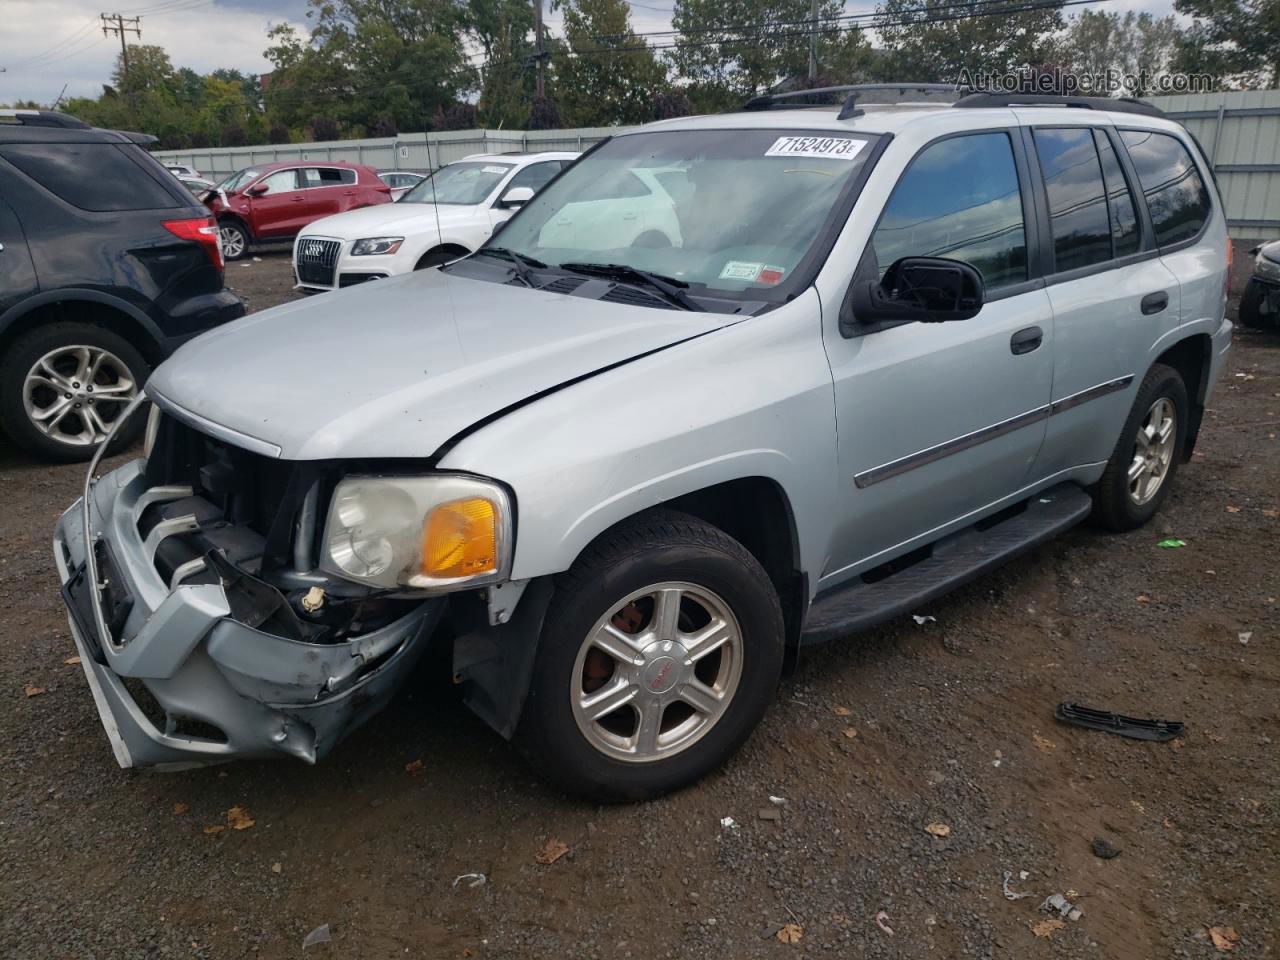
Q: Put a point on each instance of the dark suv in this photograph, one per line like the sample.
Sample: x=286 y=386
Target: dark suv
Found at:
x=107 y=263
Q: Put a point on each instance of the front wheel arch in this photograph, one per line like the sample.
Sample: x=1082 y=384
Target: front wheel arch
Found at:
x=442 y=253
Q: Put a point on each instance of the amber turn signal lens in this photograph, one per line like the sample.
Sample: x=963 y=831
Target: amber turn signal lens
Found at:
x=460 y=539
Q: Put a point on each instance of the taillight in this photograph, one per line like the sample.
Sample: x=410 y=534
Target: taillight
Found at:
x=203 y=231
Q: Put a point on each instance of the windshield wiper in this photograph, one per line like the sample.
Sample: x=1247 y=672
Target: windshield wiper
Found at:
x=520 y=263
x=671 y=289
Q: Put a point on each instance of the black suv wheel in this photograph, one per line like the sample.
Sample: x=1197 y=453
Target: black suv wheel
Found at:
x=64 y=386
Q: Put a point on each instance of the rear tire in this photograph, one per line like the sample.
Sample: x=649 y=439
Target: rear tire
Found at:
x=1145 y=460
x=42 y=381
x=235 y=240
x=703 y=674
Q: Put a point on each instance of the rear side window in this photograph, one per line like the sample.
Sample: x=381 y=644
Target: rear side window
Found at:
x=1078 y=217
x=959 y=199
x=101 y=177
x=327 y=176
x=536 y=175
x=1124 y=217
x=1176 y=194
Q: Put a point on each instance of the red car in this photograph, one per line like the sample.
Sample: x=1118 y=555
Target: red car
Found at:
x=273 y=201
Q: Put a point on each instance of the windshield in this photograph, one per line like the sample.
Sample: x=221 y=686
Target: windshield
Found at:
x=734 y=211
x=240 y=179
x=459 y=183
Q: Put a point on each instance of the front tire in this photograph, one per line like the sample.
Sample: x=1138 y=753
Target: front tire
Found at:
x=661 y=651
x=235 y=240
x=63 y=386
x=1146 y=457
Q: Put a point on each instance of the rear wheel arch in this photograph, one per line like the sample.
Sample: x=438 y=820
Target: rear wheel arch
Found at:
x=84 y=306
x=1192 y=357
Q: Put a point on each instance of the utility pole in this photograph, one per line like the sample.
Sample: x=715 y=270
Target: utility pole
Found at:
x=541 y=87
x=120 y=26
x=813 y=41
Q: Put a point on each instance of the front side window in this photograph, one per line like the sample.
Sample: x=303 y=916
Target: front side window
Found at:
x=282 y=181
x=1078 y=218
x=743 y=210
x=536 y=175
x=239 y=180
x=466 y=183
x=959 y=199
x=1176 y=195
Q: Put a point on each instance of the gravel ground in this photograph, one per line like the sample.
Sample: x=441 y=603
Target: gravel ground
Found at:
x=872 y=740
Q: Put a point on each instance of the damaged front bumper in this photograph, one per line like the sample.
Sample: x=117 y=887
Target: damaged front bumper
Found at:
x=221 y=689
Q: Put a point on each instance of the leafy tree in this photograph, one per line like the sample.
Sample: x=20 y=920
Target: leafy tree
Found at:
x=1134 y=43
x=543 y=115
x=605 y=74
x=731 y=50
x=670 y=104
x=324 y=128
x=457 y=116
x=919 y=45
x=1237 y=41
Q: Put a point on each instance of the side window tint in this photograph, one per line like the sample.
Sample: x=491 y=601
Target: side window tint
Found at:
x=1176 y=195
x=326 y=176
x=97 y=176
x=1078 y=216
x=959 y=199
x=535 y=176
x=282 y=181
x=1124 y=218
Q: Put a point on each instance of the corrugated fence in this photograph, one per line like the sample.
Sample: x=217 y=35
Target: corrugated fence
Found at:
x=1239 y=130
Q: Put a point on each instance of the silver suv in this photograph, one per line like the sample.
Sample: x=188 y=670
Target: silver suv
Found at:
x=872 y=352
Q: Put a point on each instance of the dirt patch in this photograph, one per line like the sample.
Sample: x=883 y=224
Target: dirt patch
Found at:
x=954 y=723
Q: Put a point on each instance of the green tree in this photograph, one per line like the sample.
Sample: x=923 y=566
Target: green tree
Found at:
x=605 y=74
x=1133 y=43
x=920 y=45
x=731 y=51
x=507 y=83
x=1237 y=41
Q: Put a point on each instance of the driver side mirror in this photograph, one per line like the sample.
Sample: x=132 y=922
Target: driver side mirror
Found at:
x=257 y=190
x=914 y=289
x=516 y=197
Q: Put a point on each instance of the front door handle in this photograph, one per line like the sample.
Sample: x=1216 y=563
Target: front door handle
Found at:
x=1155 y=302
x=1026 y=340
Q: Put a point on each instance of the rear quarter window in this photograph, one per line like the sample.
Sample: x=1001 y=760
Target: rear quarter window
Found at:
x=1176 y=193
x=99 y=177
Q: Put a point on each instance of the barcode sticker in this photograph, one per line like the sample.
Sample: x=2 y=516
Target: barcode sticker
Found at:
x=823 y=148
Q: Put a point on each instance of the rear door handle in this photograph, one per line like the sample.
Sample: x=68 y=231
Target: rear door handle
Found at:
x=1155 y=302
x=1026 y=340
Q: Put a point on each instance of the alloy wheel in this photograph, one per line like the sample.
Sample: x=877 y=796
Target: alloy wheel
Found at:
x=75 y=394
x=233 y=242
x=656 y=672
x=1153 y=451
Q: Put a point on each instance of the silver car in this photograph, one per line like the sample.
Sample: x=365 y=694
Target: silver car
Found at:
x=880 y=350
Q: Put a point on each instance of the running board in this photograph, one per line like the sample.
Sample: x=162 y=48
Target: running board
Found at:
x=952 y=561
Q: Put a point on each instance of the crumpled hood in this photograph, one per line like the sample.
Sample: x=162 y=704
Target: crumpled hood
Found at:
x=357 y=224
x=396 y=368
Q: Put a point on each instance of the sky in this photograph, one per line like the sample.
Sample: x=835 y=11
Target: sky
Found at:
x=47 y=43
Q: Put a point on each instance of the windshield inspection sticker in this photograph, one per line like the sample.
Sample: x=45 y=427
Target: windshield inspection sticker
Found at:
x=741 y=270
x=493 y=169
x=823 y=148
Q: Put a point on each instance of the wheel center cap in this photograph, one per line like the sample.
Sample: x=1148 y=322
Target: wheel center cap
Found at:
x=662 y=669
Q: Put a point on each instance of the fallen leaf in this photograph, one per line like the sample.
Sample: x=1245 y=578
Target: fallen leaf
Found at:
x=1224 y=938
x=843 y=712
x=414 y=766
x=180 y=808
x=1167 y=823
x=849 y=732
x=1072 y=894
x=1177 y=743
x=1231 y=509
x=34 y=691
x=1138 y=806
x=1142 y=598
x=276 y=867
x=1045 y=927
x=238 y=818
x=71 y=661
x=791 y=933
x=1043 y=744
x=939 y=829
x=216 y=828
x=882 y=921
x=553 y=851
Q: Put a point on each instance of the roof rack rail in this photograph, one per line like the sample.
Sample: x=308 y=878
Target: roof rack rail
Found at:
x=1116 y=104
x=770 y=101
x=43 y=118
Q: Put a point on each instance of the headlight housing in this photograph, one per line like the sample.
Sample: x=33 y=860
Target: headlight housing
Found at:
x=374 y=246
x=438 y=532
x=1268 y=269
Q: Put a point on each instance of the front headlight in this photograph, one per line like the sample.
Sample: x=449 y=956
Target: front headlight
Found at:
x=434 y=532
x=1265 y=268
x=372 y=246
